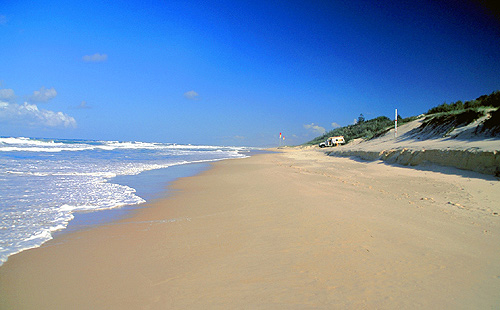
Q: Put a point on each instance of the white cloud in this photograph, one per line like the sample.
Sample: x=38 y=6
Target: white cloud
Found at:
x=7 y=94
x=335 y=125
x=43 y=95
x=315 y=128
x=30 y=115
x=83 y=105
x=95 y=58
x=192 y=95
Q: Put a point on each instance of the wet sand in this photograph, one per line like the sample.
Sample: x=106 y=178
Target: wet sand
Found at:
x=292 y=230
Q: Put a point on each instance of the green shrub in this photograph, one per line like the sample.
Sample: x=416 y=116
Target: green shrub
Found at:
x=491 y=100
x=366 y=130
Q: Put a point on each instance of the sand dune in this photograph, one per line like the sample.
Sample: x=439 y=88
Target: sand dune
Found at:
x=460 y=148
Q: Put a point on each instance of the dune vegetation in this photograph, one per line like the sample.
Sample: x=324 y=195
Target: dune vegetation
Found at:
x=446 y=117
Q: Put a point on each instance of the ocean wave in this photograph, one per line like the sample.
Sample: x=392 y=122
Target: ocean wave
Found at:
x=23 y=144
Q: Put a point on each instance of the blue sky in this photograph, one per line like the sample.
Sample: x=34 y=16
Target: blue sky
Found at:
x=235 y=72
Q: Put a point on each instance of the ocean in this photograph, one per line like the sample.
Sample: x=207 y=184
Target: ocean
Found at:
x=44 y=183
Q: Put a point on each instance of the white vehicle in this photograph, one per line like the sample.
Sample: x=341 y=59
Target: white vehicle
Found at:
x=333 y=141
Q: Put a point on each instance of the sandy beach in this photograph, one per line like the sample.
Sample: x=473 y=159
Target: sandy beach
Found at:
x=291 y=230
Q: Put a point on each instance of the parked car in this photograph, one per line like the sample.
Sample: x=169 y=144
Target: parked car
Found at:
x=333 y=141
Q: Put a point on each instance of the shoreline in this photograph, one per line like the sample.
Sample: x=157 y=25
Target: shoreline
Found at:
x=150 y=185
x=296 y=229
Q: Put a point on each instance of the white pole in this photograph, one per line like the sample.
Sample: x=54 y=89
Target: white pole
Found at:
x=396 y=124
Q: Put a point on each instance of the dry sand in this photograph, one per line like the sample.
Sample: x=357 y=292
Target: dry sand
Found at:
x=294 y=230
